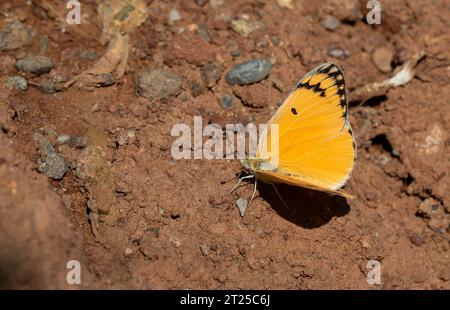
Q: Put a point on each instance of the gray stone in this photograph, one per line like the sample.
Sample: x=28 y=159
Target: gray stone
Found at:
x=35 y=64
x=174 y=15
x=330 y=22
x=226 y=101
x=242 y=204
x=50 y=162
x=249 y=72
x=17 y=82
x=235 y=53
x=158 y=84
x=89 y=55
x=107 y=79
x=339 y=53
x=62 y=139
x=14 y=35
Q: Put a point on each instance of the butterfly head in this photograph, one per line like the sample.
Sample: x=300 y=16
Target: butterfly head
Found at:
x=247 y=165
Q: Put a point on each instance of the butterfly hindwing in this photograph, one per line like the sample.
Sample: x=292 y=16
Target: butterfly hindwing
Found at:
x=316 y=147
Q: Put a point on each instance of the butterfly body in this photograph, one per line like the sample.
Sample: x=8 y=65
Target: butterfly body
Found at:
x=315 y=146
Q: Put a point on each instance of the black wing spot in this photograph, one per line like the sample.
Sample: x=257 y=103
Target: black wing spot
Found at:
x=326 y=68
x=294 y=111
x=334 y=75
x=319 y=90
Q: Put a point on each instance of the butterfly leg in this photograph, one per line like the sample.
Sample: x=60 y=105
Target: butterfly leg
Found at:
x=254 y=192
x=279 y=196
x=239 y=182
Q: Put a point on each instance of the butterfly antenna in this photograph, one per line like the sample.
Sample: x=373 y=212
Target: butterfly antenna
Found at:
x=279 y=196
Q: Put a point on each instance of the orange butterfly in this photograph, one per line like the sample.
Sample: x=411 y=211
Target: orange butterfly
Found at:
x=316 y=148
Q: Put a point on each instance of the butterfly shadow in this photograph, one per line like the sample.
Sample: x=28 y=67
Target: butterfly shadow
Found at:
x=306 y=208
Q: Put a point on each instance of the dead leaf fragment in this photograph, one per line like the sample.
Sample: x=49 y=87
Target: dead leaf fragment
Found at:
x=108 y=69
x=402 y=76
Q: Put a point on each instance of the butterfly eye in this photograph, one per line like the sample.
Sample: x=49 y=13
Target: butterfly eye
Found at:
x=294 y=111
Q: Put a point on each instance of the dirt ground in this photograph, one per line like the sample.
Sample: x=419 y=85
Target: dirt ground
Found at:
x=171 y=224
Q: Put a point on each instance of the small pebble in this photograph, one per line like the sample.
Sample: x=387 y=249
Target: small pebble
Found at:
x=417 y=240
x=395 y=153
x=249 y=72
x=158 y=84
x=235 y=53
x=204 y=249
x=174 y=15
x=78 y=142
x=226 y=101
x=128 y=251
x=17 y=82
x=338 y=53
x=15 y=35
x=427 y=207
x=89 y=55
x=50 y=162
x=244 y=28
x=192 y=27
x=286 y=4
x=365 y=241
x=62 y=139
x=47 y=86
x=275 y=40
x=203 y=33
x=382 y=58
x=196 y=88
x=330 y=22
x=107 y=79
x=60 y=78
x=35 y=64
x=125 y=137
x=242 y=204
x=211 y=73
x=242 y=250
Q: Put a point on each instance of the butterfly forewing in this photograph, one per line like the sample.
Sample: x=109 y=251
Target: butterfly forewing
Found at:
x=316 y=147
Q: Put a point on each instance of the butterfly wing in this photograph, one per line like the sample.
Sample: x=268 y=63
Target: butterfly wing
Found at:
x=316 y=147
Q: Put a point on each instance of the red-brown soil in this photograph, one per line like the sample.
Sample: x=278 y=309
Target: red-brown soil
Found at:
x=171 y=223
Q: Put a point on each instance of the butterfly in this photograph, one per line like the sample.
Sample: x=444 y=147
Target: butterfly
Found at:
x=316 y=147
